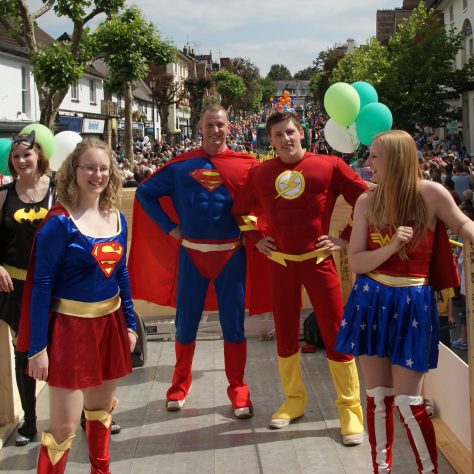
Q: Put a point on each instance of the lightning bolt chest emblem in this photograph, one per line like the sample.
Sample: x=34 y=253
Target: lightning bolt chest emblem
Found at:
x=290 y=184
x=107 y=255
x=379 y=239
x=210 y=179
x=33 y=215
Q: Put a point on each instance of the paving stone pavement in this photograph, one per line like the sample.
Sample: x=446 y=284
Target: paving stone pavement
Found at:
x=204 y=437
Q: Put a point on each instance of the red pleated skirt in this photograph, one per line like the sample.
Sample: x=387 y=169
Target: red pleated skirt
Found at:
x=84 y=352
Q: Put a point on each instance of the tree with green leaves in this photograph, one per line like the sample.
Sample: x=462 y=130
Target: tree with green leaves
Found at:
x=413 y=74
x=279 y=72
x=323 y=66
x=197 y=88
x=370 y=63
x=269 y=89
x=169 y=90
x=129 y=44
x=230 y=87
x=61 y=63
x=305 y=74
x=249 y=73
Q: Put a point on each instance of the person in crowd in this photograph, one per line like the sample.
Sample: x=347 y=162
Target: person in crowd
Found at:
x=77 y=318
x=444 y=302
x=462 y=178
x=449 y=185
x=296 y=193
x=201 y=185
x=400 y=251
x=23 y=205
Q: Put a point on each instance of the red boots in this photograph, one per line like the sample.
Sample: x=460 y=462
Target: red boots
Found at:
x=420 y=431
x=52 y=457
x=98 y=429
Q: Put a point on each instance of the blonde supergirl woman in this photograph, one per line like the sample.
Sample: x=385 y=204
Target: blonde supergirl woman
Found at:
x=82 y=327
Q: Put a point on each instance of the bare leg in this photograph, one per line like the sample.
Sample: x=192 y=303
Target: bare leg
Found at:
x=377 y=371
x=66 y=407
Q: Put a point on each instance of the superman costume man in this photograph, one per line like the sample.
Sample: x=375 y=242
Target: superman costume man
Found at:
x=201 y=185
x=296 y=193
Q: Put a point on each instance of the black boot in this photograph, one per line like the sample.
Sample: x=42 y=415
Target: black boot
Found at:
x=27 y=390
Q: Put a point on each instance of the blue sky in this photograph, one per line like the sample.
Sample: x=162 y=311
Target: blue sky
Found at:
x=264 y=31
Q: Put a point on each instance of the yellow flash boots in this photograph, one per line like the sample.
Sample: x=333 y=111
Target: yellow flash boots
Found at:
x=346 y=382
x=294 y=390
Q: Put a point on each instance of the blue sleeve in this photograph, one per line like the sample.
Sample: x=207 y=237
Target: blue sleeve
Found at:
x=51 y=242
x=158 y=185
x=124 y=285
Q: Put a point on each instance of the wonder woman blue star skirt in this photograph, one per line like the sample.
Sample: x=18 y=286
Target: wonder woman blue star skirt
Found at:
x=397 y=322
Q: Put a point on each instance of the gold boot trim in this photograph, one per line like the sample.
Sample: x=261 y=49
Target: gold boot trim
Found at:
x=55 y=451
x=105 y=417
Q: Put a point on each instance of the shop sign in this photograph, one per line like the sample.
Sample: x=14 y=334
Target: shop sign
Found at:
x=93 y=126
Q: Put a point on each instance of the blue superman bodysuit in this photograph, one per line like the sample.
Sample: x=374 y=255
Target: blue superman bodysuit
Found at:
x=201 y=189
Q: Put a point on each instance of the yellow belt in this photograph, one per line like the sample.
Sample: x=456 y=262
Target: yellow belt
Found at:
x=391 y=280
x=82 y=309
x=15 y=272
x=210 y=247
x=318 y=254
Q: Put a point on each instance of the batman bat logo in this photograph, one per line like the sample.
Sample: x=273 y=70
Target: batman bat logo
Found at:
x=107 y=255
x=33 y=215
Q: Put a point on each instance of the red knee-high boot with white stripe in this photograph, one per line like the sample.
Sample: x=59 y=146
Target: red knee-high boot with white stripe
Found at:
x=380 y=427
x=420 y=432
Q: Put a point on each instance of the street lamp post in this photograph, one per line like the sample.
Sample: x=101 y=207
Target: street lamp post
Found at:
x=152 y=87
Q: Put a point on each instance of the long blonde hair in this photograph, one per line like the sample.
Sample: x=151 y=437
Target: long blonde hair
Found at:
x=397 y=199
x=68 y=192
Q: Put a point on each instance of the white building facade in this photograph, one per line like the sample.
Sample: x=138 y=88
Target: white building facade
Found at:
x=460 y=15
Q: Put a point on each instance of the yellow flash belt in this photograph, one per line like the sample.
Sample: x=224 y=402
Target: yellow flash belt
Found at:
x=210 y=247
x=390 y=280
x=82 y=309
x=281 y=258
x=15 y=272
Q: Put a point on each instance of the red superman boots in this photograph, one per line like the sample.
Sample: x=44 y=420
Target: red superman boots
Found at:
x=235 y=355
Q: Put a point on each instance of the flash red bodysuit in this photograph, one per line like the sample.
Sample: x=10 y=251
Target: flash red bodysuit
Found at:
x=297 y=201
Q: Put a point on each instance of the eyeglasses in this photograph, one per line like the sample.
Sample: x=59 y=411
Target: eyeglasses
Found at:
x=89 y=169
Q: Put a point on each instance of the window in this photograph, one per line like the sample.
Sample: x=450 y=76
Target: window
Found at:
x=471 y=47
x=451 y=13
x=464 y=4
x=92 y=92
x=24 y=89
x=75 y=91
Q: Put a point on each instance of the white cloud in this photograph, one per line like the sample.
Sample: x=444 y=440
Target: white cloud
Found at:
x=265 y=31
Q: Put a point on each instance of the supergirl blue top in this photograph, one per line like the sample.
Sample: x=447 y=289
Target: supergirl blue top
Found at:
x=75 y=266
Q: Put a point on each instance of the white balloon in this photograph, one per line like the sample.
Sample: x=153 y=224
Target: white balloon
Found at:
x=65 y=143
x=343 y=139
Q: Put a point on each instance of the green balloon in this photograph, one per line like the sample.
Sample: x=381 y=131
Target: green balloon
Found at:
x=373 y=119
x=5 y=146
x=367 y=93
x=44 y=137
x=342 y=103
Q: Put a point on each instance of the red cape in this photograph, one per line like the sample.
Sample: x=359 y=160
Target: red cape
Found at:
x=153 y=259
x=23 y=342
x=443 y=271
